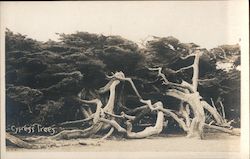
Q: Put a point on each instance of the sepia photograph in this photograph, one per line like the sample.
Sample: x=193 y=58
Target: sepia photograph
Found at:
x=125 y=79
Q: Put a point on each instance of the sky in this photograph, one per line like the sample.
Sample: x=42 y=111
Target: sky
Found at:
x=206 y=23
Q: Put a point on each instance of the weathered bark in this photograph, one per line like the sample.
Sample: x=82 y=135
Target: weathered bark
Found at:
x=138 y=109
x=151 y=130
x=110 y=105
x=141 y=113
x=221 y=129
x=97 y=125
x=114 y=124
x=85 y=112
x=73 y=134
x=96 y=116
x=148 y=131
x=69 y=134
x=181 y=123
x=20 y=143
x=120 y=76
x=123 y=116
x=218 y=118
x=108 y=134
x=188 y=93
x=185 y=112
x=104 y=118
x=41 y=142
x=196 y=126
x=195 y=77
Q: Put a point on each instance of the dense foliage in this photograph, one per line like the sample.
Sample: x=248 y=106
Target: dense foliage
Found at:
x=42 y=78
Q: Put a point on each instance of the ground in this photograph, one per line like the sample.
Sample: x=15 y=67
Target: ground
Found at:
x=213 y=142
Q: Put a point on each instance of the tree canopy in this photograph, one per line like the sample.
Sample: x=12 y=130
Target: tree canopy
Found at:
x=43 y=79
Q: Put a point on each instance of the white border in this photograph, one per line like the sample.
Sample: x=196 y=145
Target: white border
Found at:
x=244 y=154
x=2 y=82
x=245 y=82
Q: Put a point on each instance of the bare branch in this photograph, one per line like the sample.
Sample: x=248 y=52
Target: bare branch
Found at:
x=232 y=131
x=77 y=121
x=133 y=86
x=20 y=143
x=106 y=87
x=123 y=116
x=185 y=111
x=129 y=117
x=184 y=68
x=109 y=77
x=222 y=109
x=148 y=131
x=84 y=112
x=155 y=69
x=219 y=120
x=147 y=102
x=175 y=117
x=93 y=101
x=213 y=103
x=207 y=80
x=195 y=77
x=137 y=109
x=177 y=94
x=114 y=124
x=160 y=74
x=185 y=57
x=108 y=134
x=211 y=122
x=184 y=85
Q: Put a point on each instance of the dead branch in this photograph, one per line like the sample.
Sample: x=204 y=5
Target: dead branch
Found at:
x=20 y=143
x=181 y=123
x=225 y=130
x=222 y=109
x=137 y=109
x=129 y=117
x=108 y=134
x=190 y=55
x=196 y=70
x=184 y=68
x=76 y=121
x=148 y=131
x=207 y=80
x=114 y=124
x=183 y=85
x=177 y=94
x=133 y=86
x=212 y=103
x=160 y=74
x=185 y=112
x=219 y=120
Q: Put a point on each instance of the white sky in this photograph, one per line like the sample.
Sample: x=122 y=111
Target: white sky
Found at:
x=207 y=24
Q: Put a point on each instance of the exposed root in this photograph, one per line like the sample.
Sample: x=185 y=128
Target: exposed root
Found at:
x=104 y=117
x=20 y=143
x=221 y=129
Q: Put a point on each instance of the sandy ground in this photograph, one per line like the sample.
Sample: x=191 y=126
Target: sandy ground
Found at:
x=218 y=142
